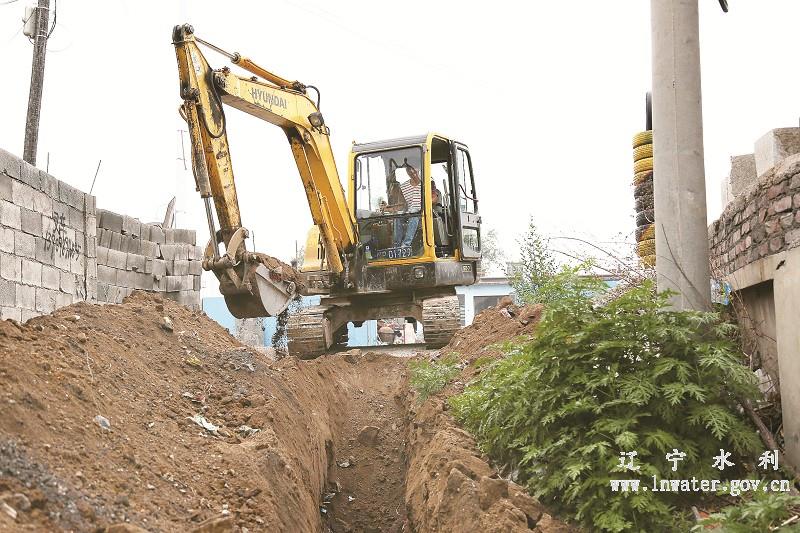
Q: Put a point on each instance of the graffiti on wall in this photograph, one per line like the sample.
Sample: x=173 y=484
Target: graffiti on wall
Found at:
x=56 y=239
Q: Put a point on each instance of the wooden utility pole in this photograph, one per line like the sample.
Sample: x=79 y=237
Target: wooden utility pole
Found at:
x=37 y=81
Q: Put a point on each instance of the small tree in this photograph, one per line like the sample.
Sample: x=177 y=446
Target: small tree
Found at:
x=491 y=253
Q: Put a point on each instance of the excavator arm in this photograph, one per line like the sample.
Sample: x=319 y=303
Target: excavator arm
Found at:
x=245 y=276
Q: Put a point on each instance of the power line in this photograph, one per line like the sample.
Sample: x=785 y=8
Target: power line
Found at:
x=8 y=2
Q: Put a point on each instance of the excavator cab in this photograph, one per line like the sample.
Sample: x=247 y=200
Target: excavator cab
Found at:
x=414 y=200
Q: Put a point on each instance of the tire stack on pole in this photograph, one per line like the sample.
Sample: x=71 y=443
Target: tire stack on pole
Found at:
x=643 y=195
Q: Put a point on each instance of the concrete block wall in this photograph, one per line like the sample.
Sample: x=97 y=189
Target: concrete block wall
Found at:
x=50 y=239
x=47 y=241
x=134 y=255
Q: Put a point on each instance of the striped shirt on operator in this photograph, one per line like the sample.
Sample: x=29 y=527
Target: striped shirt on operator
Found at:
x=413 y=195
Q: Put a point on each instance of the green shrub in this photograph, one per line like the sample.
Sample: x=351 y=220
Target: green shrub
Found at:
x=429 y=377
x=598 y=381
x=765 y=512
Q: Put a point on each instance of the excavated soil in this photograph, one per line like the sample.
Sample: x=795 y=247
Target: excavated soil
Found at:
x=147 y=416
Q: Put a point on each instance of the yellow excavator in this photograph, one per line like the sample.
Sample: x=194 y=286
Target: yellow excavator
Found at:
x=407 y=233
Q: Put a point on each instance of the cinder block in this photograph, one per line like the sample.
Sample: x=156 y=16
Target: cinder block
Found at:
x=45 y=300
x=63 y=300
x=148 y=265
x=148 y=249
x=31 y=176
x=195 y=268
x=68 y=282
x=135 y=262
x=51 y=278
x=179 y=267
x=109 y=220
x=91 y=226
x=42 y=203
x=62 y=260
x=7 y=240
x=126 y=278
x=102 y=292
x=191 y=237
x=91 y=249
x=10 y=164
x=107 y=274
x=174 y=283
x=775 y=146
x=157 y=235
x=169 y=251
x=76 y=218
x=91 y=204
x=159 y=267
x=11 y=313
x=26 y=296
x=5 y=185
x=27 y=314
x=144 y=281
x=31 y=272
x=169 y=234
x=197 y=281
x=144 y=231
x=60 y=209
x=113 y=294
x=22 y=194
x=115 y=242
x=8 y=293
x=102 y=255
x=45 y=252
x=196 y=253
x=134 y=246
x=70 y=196
x=117 y=259
x=91 y=269
x=10 y=267
x=161 y=284
x=49 y=185
x=31 y=222
x=104 y=237
x=10 y=215
x=24 y=245
x=131 y=226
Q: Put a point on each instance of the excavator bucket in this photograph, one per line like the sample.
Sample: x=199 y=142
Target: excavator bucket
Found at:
x=271 y=288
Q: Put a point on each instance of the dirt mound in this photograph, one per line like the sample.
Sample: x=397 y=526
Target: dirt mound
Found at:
x=492 y=327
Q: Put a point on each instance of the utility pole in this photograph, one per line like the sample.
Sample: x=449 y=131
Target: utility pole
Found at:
x=37 y=81
x=679 y=181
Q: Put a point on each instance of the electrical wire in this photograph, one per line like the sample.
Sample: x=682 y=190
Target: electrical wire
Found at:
x=55 y=15
x=8 y=2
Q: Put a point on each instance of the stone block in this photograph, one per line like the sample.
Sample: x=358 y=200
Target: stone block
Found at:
x=10 y=164
x=157 y=235
x=135 y=262
x=170 y=251
x=169 y=234
x=113 y=294
x=10 y=267
x=160 y=284
x=5 y=186
x=45 y=253
x=31 y=222
x=10 y=215
x=134 y=246
x=126 y=278
x=117 y=259
x=61 y=260
x=107 y=274
x=195 y=268
x=31 y=272
x=26 y=296
x=27 y=314
x=63 y=300
x=174 y=283
x=148 y=265
x=196 y=253
x=102 y=292
x=110 y=220
x=197 y=282
x=7 y=240
x=91 y=249
x=71 y=196
x=76 y=218
x=182 y=236
x=144 y=281
x=24 y=245
x=68 y=282
x=77 y=264
x=104 y=237
x=774 y=147
x=148 y=249
x=131 y=226
x=91 y=226
x=45 y=300
x=8 y=293
x=91 y=204
x=51 y=278
x=11 y=313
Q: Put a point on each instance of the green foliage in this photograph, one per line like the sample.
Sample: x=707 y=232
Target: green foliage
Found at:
x=429 y=377
x=765 y=512
x=598 y=381
x=541 y=280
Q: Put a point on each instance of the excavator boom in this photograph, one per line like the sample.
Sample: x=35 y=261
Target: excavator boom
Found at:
x=243 y=275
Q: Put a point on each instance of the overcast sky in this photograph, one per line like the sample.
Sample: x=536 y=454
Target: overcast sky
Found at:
x=546 y=94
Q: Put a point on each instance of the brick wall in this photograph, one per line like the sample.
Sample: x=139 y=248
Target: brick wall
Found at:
x=760 y=221
x=49 y=247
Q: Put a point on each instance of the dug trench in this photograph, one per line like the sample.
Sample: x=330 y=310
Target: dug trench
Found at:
x=147 y=416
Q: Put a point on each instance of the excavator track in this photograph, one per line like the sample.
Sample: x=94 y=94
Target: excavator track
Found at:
x=306 y=333
x=440 y=320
